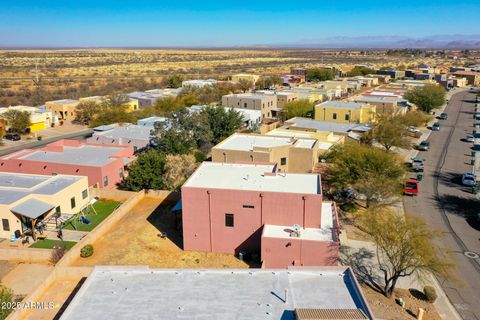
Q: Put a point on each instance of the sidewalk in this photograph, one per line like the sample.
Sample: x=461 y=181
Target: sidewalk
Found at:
x=360 y=255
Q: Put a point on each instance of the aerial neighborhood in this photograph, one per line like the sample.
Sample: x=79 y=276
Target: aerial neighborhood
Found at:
x=304 y=193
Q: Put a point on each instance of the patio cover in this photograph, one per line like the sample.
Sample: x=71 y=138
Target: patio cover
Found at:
x=32 y=208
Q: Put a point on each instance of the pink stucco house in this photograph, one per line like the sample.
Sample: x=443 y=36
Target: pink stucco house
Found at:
x=104 y=165
x=253 y=209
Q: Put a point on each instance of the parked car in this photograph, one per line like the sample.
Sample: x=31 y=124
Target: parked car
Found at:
x=413 y=129
x=423 y=146
x=418 y=164
x=436 y=126
x=12 y=136
x=410 y=187
x=469 y=138
x=443 y=116
x=469 y=179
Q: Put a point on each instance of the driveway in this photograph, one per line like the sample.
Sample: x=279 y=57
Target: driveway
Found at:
x=447 y=206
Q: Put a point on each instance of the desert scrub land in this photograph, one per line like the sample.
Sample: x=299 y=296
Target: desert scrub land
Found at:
x=84 y=72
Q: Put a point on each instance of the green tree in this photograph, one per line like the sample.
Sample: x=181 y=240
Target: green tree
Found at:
x=146 y=172
x=404 y=247
x=166 y=105
x=17 y=121
x=113 y=110
x=245 y=85
x=320 y=74
x=427 y=98
x=370 y=171
x=415 y=118
x=182 y=132
x=221 y=122
x=6 y=297
x=86 y=111
x=173 y=81
x=298 y=108
x=360 y=71
x=113 y=115
x=390 y=132
x=268 y=81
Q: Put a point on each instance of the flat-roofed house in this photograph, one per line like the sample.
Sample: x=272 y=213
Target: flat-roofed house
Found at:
x=291 y=154
x=39 y=118
x=132 y=104
x=383 y=104
x=137 y=137
x=26 y=199
x=346 y=112
x=266 y=103
x=251 y=208
x=120 y=292
x=104 y=165
x=473 y=78
x=300 y=125
x=64 y=109
x=325 y=140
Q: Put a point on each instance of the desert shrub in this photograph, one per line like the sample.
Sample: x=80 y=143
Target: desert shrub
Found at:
x=430 y=293
x=199 y=156
x=86 y=251
x=57 y=253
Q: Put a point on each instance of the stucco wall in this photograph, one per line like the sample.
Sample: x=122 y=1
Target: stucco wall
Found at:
x=282 y=253
x=204 y=212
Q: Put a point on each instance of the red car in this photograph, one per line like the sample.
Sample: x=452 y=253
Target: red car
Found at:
x=410 y=187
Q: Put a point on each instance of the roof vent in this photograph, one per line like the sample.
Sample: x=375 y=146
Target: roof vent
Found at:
x=295 y=232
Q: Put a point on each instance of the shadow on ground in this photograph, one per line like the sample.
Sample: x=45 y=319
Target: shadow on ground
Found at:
x=360 y=260
x=449 y=179
x=168 y=223
x=467 y=208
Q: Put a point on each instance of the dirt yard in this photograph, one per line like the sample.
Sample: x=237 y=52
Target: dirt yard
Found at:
x=135 y=240
x=387 y=308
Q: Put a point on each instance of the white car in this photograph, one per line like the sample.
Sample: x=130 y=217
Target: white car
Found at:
x=470 y=139
x=413 y=129
x=469 y=179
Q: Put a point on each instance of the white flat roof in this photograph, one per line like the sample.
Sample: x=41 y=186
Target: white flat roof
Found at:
x=251 y=177
x=325 y=233
x=15 y=186
x=88 y=155
x=246 y=142
x=302 y=143
x=250 y=294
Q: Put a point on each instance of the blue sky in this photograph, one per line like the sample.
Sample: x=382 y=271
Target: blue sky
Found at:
x=225 y=23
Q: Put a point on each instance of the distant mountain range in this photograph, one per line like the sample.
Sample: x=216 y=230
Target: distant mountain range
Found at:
x=453 y=41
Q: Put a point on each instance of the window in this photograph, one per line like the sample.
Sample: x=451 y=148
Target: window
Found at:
x=248 y=206
x=347 y=117
x=58 y=210
x=334 y=116
x=72 y=202
x=120 y=172
x=229 y=220
x=283 y=161
x=245 y=105
x=6 y=225
x=105 y=181
x=85 y=194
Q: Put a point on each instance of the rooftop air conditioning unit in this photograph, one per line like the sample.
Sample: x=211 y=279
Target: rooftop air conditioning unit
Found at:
x=295 y=231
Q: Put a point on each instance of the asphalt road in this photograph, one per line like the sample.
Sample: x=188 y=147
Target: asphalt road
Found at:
x=78 y=135
x=451 y=208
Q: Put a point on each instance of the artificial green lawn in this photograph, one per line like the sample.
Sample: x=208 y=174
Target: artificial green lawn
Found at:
x=48 y=244
x=103 y=208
